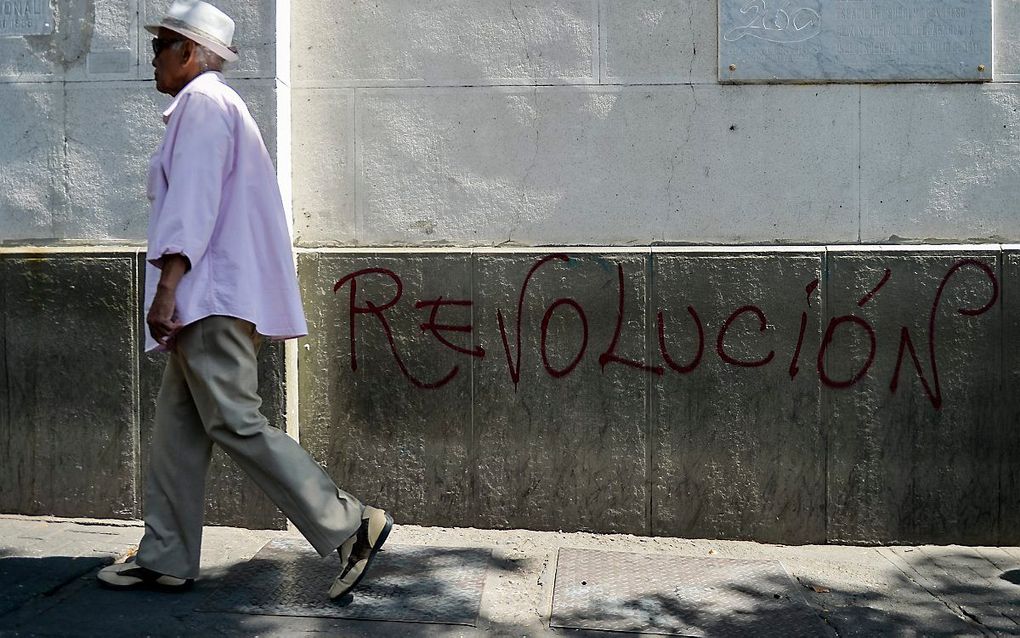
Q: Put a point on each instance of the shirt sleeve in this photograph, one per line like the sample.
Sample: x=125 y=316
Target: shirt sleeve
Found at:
x=196 y=159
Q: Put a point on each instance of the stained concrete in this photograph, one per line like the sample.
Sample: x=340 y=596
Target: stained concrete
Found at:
x=917 y=462
x=738 y=447
x=1009 y=434
x=69 y=432
x=562 y=446
x=231 y=497
x=383 y=438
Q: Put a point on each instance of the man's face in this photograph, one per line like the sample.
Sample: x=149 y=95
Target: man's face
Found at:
x=170 y=72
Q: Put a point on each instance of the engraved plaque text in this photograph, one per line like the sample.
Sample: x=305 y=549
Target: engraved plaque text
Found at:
x=855 y=40
x=25 y=17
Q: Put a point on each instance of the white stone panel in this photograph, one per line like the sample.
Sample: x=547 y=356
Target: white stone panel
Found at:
x=113 y=42
x=940 y=162
x=31 y=160
x=323 y=142
x=254 y=36
x=443 y=42
x=658 y=41
x=47 y=57
x=112 y=130
x=1006 y=44
x=607 y=166
x=261 y=98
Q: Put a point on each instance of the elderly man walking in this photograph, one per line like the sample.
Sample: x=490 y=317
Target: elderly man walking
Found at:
x=220 y=277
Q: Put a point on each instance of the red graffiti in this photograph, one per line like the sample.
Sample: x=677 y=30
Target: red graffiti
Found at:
x=445 y=331
x=545 y=337
x=824 y=349
x=690 y=367
x=934 y=390
x=721 y=339
x=514 y=366
x=437 y=329
x=379 y=312
x=610 y=356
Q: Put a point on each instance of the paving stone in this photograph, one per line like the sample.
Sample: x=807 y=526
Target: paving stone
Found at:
x=409 y=584
x=681 y=596
x=24 y=578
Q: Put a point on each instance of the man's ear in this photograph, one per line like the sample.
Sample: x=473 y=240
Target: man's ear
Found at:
x=187 y=51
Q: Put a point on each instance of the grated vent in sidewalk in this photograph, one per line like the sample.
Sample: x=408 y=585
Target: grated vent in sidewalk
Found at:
x=410 y=584
x=675 y=595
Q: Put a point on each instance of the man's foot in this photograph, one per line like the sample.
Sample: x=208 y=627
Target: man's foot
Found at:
x=359 y=550
x=131 y=576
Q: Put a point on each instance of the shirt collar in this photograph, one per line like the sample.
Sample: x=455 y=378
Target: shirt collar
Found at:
x=198 y=80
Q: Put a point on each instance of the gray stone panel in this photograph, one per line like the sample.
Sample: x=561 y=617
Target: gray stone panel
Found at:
x=397 y=438
x=1007 y=47
x=940 y=163
x=1009 y=434
x=68 y=437
x=862 y=41
x=658 y=41
x=910 y=458
x=573 y=162
x=231 y=497
x=323 y=138
x=31 y=160
x=738 y=447
x=112 y=130
x=454 y=43
x=565 y=446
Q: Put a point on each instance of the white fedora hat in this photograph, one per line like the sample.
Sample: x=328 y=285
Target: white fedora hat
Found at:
x=201 y=22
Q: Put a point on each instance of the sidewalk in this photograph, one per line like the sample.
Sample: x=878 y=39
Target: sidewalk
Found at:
x=508 y=583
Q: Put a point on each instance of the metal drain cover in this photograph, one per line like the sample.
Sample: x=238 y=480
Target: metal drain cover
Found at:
x=666 y=594
x=410 y=584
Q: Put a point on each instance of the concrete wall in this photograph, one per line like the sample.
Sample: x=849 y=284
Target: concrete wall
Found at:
x=443 y=141
x=602 y=123
x=796 y=395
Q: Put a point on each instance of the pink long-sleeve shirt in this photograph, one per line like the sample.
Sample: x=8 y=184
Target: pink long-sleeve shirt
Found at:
x=215 y=200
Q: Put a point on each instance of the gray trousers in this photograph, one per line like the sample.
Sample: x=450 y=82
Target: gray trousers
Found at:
x=210 y=395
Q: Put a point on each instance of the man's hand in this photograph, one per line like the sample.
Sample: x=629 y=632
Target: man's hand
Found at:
x=162 y=317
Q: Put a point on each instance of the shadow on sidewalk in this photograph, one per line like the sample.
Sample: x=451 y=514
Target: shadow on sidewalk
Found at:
x=58 y=596
x=951 y=602
x=278 y=596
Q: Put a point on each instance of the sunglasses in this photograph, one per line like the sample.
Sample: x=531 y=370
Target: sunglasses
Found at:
x=159 y=44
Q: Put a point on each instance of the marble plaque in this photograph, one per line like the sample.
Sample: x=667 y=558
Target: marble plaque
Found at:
x=25 y=17
x=855 y=40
